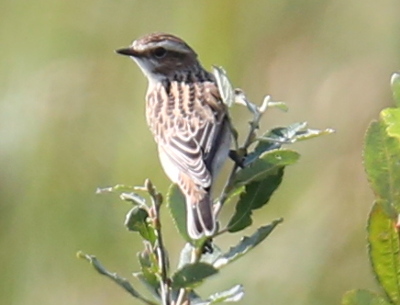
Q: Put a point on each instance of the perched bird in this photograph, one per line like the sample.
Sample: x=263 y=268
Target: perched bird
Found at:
x=188 y=120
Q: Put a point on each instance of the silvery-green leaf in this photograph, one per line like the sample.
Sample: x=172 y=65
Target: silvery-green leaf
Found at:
x=136 y=221
x=187 y=255
x=271 y=140
x=275 y=138
x=115 y=188
x=150 y=281
x=246 y=244
x=224 y=86
x=312 y=133
x=134 y=198
x=177 y=207
x=234 y=294
x=122 y=282
x=395 y=84
x=191 y=275
x=280 y=105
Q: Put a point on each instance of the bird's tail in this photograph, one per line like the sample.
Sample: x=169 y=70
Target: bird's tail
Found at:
x=200 y=217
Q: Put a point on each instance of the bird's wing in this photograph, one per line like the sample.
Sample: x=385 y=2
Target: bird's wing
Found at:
x=185 y=123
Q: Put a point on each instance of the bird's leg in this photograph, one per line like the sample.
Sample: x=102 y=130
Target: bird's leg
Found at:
x=238 y=157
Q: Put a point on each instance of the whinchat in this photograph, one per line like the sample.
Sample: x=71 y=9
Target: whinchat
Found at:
x=188 y=120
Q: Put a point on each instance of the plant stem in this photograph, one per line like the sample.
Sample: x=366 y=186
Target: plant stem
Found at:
x=161 y=255
x=162 y=261
x=248 y=141
x=182 y=296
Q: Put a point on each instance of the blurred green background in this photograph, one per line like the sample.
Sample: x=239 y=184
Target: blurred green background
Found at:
x=72 y=119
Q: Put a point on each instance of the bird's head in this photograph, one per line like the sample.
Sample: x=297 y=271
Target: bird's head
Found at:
x=162 y=56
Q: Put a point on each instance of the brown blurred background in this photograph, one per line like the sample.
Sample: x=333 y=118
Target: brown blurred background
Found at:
x=72 y=119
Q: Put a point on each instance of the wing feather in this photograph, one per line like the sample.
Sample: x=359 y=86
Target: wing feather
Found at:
x=185 y=123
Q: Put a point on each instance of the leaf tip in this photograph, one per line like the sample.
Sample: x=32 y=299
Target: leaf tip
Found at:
x=394 y=78
x=395 y=85
x=81 y=255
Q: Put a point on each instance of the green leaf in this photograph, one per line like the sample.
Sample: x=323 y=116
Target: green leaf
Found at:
x=115 y=188
x=297 y=132
x=134 y=198
x=383 y=246
x=363 y=297
x=382 y=164
x=224 y=86
x=290 y=131
x=234 y=193
x=136 y=218
x=391 y=119
x=235 y=294
x=272 y=141
x=209 y=257
x=246 y=244
x=148 y=261
x=191 y=275
x=267 y=164
x=256 y=195
x=280 y=105
x=275 y=138
x=149 y=271
x=281 y=135
x=150 y=282
x=177 y=207
x=185 y=257
x=122 y=282
x=312 y=133
x=136 y=221
x=395 y=84
x=293 y=133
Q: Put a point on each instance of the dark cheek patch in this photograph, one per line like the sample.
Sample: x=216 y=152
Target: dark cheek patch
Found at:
x=171 y=62
x=178 y=58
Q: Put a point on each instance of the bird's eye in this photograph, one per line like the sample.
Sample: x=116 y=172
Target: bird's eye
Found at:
x=160 y=52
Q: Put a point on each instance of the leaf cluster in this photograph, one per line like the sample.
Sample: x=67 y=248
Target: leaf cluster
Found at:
x=382 y=165
x=257 y=173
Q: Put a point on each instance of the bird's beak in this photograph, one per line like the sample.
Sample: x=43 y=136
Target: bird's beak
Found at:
x=127 y=51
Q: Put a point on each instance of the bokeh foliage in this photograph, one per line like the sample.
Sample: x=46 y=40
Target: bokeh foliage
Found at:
x=72 y=119
x=381 y=157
